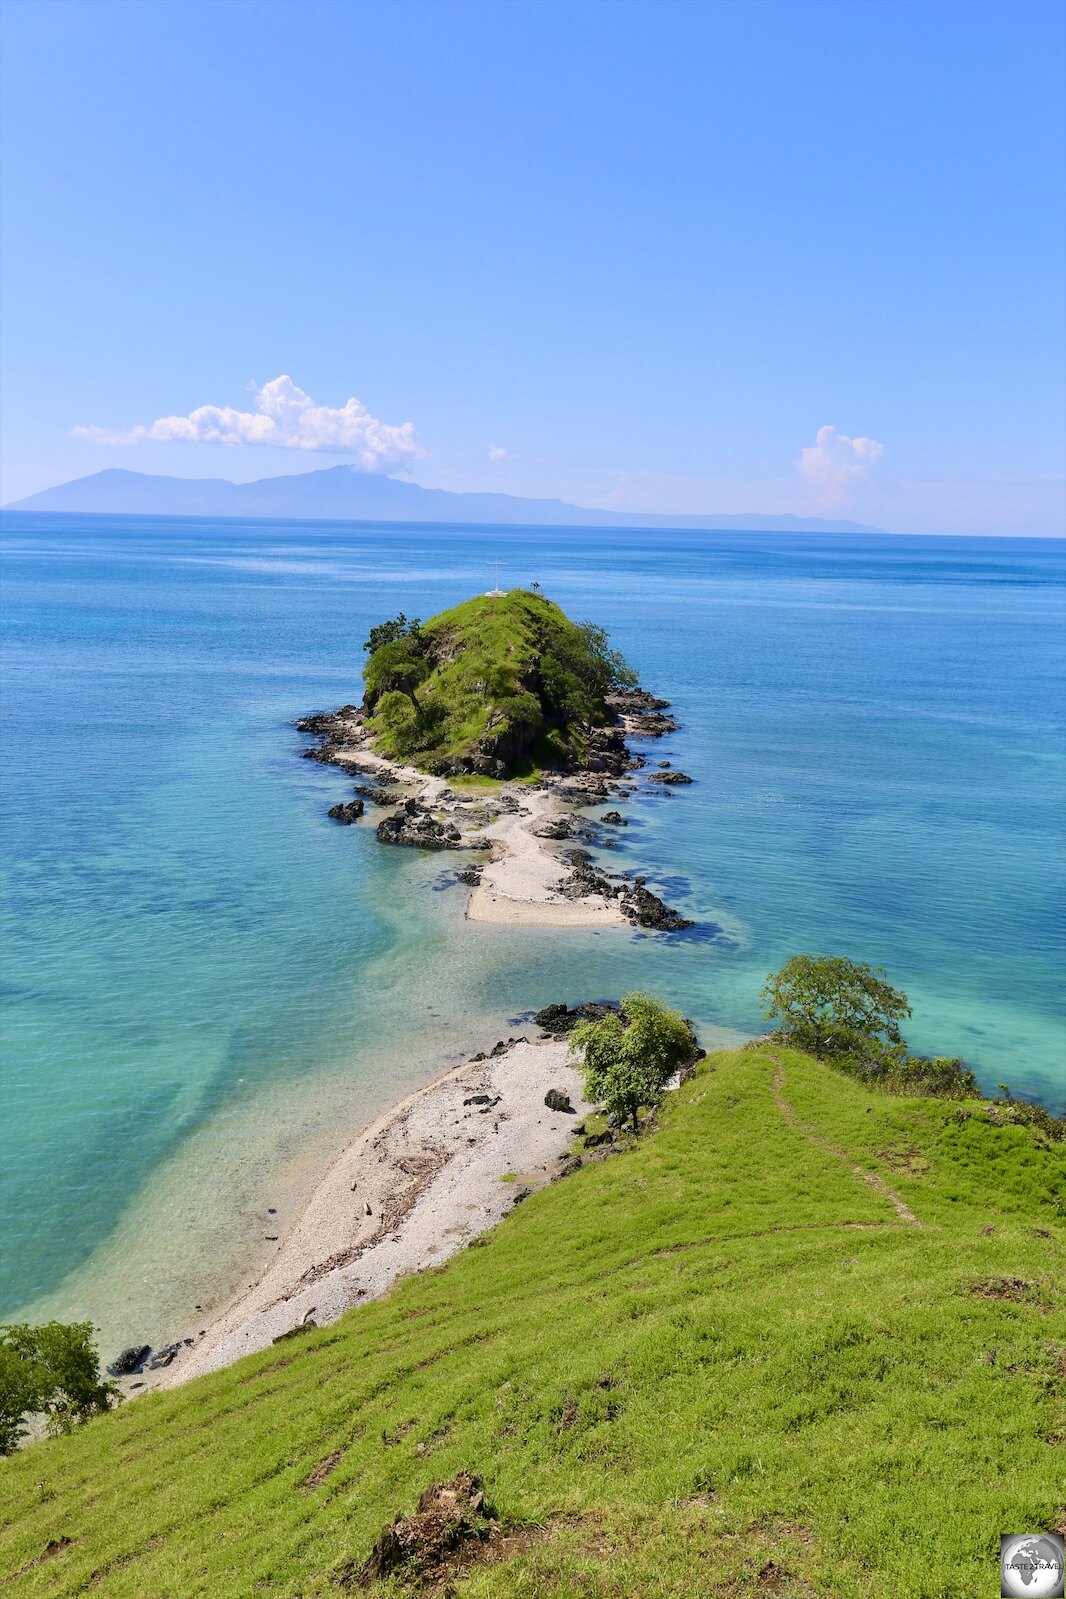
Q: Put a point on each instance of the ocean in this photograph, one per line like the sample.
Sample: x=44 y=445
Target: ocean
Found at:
x=208 y=984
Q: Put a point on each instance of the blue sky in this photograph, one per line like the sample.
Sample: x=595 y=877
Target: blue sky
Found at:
x=637 y=255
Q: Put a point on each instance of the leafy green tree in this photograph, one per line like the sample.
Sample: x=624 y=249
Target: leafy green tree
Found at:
x=397 y=665
x=835 y=1008
x=629 y=1058
x=609 y=665
x=388 y=632
x=51 y=1369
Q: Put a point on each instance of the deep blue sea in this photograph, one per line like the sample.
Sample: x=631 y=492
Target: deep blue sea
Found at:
x=208 y=985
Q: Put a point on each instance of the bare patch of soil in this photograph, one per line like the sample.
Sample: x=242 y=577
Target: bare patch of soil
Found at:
x=429 y=1549
x=1015 y=1290
x=323 y=1469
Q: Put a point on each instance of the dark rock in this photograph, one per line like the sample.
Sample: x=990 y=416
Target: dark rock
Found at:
x=130 y=1360
x=479 y=1099
x=559 y=1020
x=413 y=825
x=614 y=819
x=663 y=765
x=165 y=1356
x=572 y=1164
x=586 y=880
x=470 y=875
x=347 y=813
x=594 y=1140
x=555 y=1099
x=334 y=730
x=655 y=725
x=557 y=827
x=506 y=1044
x=672 y=778
x=378 y=796
x=627 y=700
x=646 y=909
x=577 y=857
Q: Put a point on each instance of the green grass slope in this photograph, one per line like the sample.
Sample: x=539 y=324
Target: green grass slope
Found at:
x=506 y=678
x=802 y=1340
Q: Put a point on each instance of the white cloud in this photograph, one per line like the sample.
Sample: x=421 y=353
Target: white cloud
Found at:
x=497 y=452
x=286 y=418
x=836 y=463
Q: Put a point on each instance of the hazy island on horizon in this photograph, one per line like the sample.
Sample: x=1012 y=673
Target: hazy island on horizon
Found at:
x=342 y=493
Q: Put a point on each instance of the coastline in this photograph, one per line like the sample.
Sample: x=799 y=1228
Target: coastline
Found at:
x=523 y=882
x=438 y=1168
x=435 y=1169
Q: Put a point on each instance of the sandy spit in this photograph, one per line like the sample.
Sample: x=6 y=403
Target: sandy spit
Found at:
x=520 y=880
x=416 y=1186
x=425 y=1178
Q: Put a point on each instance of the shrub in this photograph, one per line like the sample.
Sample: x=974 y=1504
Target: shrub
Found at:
x=629 y=1058
x=52 y=1370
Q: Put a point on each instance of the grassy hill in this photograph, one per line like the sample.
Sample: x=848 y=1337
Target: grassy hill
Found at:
x=802 y=1340
x=496 y=685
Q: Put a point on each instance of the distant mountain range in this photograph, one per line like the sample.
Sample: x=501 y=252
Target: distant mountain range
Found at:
x=340 y=493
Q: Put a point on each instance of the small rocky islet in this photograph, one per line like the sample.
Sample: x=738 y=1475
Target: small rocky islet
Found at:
x=504 y=687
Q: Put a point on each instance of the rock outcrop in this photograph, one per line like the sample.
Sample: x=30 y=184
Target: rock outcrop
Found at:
x=412 y=824
x=347 y=814
x=646 y=909
x=671 y=778
x=558 y=1020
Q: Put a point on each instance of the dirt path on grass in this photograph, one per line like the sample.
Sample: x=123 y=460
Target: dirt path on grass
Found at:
x=826 y=1145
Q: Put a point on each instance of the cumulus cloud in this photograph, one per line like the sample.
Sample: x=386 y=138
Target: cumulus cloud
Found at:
x=836 y=463
x=286 y=418
x=497 y=452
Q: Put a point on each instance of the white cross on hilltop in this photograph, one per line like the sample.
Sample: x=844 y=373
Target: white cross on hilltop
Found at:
x=497 y=593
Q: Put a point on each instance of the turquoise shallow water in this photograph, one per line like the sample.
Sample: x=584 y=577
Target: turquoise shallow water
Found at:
x=207 y=982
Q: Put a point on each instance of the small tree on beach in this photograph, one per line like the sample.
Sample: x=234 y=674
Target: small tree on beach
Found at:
x=835 y=1008
x=52 y=1370
x=629 y=1058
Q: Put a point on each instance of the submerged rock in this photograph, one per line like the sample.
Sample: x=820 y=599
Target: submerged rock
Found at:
x=646 y=909
x=614 y=819
x=347 y=814
x=669 y=777
x=378 y=796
